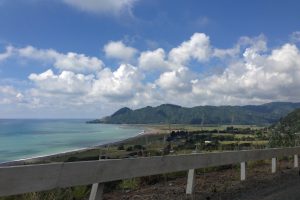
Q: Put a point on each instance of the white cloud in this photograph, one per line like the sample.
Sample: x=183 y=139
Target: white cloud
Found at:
x=10 y=95
x=78 y=63
x=118 y=50
x=37 y=54
x=71 y=61
x=262 y=78
x=223 y=53
x=253 y=73
x=295 y=36
x=201 y=22
x=7 y=53
x=257 y=44
x=179 y=80
x=66 y=82
x=115 y=7
x=121 y=84
x=154 y=60
x=198 y=47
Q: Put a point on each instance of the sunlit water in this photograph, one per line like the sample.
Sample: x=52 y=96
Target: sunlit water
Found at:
x=21 y=139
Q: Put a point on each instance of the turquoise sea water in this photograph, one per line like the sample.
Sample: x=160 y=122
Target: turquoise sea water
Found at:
x=20 y=139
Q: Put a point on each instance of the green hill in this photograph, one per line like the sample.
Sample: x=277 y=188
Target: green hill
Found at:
x=290 y=123
x=167 y=113
x=285 y=132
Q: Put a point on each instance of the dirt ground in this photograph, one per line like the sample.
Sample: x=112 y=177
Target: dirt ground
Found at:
x=225 y=185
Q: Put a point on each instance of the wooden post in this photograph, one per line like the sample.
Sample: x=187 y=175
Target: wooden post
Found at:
x=296 y=163
x=273 y=165
x=191 y=182
x=243 y=171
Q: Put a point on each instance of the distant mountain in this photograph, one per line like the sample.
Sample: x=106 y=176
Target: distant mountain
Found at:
x=167 y=113
x=290 y=123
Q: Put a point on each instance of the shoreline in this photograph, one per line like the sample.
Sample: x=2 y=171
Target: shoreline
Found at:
x=147 y=129
x=46 y=158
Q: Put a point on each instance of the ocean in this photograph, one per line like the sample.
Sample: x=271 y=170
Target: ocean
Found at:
x=21 y=139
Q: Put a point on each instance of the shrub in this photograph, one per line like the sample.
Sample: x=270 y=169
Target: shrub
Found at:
x=129 y=184
x=130 y=148
x=121 y=147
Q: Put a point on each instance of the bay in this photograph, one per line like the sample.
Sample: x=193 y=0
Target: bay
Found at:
x=27 y=138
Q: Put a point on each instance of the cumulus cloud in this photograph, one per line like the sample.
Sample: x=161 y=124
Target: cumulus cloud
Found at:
x=7 y=53
x=118 y=50
x=256 y=78
x=295 y=36
x=154 y=60
x=258 y=44
x=115 y=7
x=10 y=95
x=119 y=85
x=66 y=82
x=71 y=61
x=253 y=73
x=78 y=62
x=198 y=47
x=179 y=80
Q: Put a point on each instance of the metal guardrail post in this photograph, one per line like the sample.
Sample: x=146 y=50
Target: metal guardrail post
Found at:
x=243 y=171
x=273 y=165
x=190 y=187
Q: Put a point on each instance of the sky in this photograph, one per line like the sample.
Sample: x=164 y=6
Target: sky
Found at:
x=88 y=58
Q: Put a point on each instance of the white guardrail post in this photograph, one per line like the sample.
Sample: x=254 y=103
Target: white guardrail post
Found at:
x=243 y=171
x=296 y=163
x=190 y=187
x=273 y=165
x=97 y=190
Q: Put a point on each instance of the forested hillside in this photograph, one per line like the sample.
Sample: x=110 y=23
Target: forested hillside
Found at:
x=167 y=113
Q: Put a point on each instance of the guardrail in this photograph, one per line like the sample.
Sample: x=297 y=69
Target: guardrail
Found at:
x=33 y=178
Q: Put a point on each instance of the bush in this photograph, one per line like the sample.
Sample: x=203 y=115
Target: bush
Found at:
x=151 y=180
x=138 y=147
x=129 y=184
x=130 y=148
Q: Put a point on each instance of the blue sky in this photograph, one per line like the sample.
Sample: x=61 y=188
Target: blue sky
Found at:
x=87 y=58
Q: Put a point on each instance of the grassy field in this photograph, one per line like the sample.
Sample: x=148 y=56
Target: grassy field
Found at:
x=156 y=142
x=165 y=128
